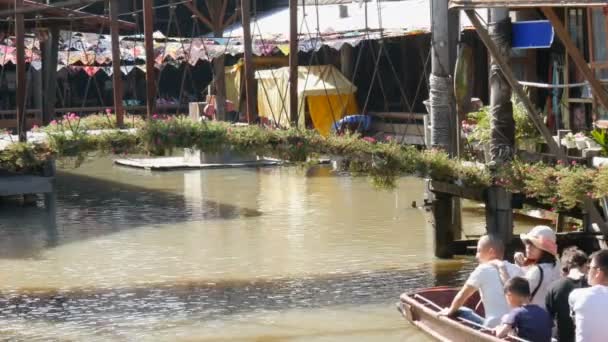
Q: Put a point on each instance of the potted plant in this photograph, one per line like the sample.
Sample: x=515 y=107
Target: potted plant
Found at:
x=600 y=137
x=569 y=141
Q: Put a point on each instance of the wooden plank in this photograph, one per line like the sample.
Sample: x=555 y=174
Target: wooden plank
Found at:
x=116 y=60
x=149 y=44
x=293 y=62
x=577 y=57
x=515 y=86
x=21 y=86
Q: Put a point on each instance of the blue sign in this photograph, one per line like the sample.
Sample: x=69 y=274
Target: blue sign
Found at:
x=537 y=34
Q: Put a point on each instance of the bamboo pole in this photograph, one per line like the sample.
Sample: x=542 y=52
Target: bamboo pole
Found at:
x=148 y=7
x=293 y=62
x=248 y=59
x=116 y=58
x=21 y=82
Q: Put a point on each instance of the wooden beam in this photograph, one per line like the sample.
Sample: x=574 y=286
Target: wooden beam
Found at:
x=515 y=86
x=149 y=44
x=577 y=57
x=248 y=60
x=116 y=60
x=21 y=85
x=199 y=15
x=293 y=62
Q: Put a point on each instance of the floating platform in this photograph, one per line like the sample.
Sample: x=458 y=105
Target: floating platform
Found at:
x=179 y=163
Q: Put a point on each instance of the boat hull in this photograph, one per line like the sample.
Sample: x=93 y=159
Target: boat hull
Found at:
x=416 y=309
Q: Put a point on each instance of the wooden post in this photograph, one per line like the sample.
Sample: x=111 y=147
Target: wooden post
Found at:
x=577 y=57
x=149 y=43
x=293 y=62
x=50 y=50
x=248 y=61
x=442 y=224
x=116 y=60
x=21 y=86
x=499 y=214
x=515 y=86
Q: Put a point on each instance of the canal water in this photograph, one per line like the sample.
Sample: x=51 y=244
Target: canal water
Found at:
x=271 y=254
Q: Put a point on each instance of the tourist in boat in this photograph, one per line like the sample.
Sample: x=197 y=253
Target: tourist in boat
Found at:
x=486 y=279
x=540 y=264
x=528 y=321
x=574 y=267
x=590 y=305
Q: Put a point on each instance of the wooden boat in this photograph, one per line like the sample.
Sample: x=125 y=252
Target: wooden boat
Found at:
x=421 y=309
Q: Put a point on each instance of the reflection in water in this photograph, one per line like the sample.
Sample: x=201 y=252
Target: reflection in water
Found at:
x=250 y=254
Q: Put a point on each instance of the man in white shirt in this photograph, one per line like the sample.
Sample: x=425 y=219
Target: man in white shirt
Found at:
x=589 y=306
x=489 y=281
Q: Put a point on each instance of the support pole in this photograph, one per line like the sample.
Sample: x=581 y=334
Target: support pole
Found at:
x=577 y=57
x=346 y=61
x=50 y=50
x=442 y=125
x=502 y=136
x=515 y=86
x=21 y=83
x=149 y=43
x=293 y=62
x=116 y=58
x=499 y=214
x=248 y=60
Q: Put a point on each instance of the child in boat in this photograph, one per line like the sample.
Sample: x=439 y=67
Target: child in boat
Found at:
x=529 y=321
x=540 y=264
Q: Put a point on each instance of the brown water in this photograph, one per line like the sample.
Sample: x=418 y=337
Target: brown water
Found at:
x=223 y=255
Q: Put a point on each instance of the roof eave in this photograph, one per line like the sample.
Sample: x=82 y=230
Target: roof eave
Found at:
x=476 y=4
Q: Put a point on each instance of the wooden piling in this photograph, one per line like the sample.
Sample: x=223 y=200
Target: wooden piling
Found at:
x=499 y=213
x=248 y=61
x=50 y=50
x=442 y=215
x=293 y=62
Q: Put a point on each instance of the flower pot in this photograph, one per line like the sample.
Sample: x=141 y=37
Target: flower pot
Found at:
x=600 y=161
x=569 y=143
x=581 y=143
x=592 y=144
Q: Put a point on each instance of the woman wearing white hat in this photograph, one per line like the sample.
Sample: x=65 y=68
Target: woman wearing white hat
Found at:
x=540 y=264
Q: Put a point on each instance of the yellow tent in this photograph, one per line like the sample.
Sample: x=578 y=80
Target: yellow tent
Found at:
x=329 y=94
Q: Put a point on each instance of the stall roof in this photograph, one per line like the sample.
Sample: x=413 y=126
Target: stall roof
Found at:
x=394 y=17
x=472 y=4
x=64 y=17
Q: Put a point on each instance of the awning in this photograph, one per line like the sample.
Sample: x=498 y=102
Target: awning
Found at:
x=472 y=4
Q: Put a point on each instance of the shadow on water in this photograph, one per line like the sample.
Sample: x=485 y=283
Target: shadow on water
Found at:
x=206 y=301
x=85 y=207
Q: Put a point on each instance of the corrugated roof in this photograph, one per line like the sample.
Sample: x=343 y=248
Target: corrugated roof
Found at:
x=525 y=3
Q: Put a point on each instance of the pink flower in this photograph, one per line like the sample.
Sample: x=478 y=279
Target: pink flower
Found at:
x=574 y=163
x=54 y=123
x=109 y=111
x=155 y=116
x=560 y=162
x=389 y=138
x=370 y=140
x=590 y=194
x=35 y=127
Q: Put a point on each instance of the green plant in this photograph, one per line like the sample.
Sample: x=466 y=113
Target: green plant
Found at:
x=600 y=136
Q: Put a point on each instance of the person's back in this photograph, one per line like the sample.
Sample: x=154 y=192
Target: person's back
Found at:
x=589 y=306
x=574 y=262
x=486 y=278
x=590 y=309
